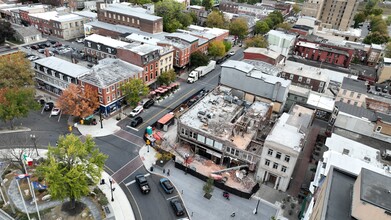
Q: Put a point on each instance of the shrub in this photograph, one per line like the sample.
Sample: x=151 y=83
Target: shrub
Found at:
x=293 y=205
x=103 y=200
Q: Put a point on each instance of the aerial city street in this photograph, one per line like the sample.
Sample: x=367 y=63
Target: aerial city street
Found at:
x=172 y=109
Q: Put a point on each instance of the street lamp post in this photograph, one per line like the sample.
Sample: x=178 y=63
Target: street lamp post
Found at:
x=34 y=139
x=256 y=208
x=111 y=189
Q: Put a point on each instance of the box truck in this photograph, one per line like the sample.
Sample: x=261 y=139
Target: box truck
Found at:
x=201 y=71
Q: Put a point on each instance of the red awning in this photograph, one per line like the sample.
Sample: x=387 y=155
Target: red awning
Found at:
x=166 y=118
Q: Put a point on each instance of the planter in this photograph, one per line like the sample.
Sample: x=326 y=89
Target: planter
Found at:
x=207 y=195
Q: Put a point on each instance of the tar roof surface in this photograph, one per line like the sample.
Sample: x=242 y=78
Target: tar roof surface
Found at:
x=375 y=189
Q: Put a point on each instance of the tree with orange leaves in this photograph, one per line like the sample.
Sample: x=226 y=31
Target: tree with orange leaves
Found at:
x=78 y=101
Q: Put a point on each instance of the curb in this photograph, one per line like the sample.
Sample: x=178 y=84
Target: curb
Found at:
x=15 y=131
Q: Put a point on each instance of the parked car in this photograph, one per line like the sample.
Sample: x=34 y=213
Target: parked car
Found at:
x=48 y=44
x=148 y=103
x=53 y=42
x=41 y=50
x=166 y=185
x=32 y=58
x=48 y=106
x=177 y=207
x=34 y=47
x=42 y=46
x=81 y=40
x=232 y=53
x=136 y=122
x=136 y=111
x=55 y=112
x=57 y=44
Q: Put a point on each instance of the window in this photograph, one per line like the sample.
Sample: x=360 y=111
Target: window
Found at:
x=156 y=64
x=275 y=165
x=283 y=169
x=278 y=155
x=118 y=93
x=351 y=94
x=107 y=90
x=344 y=92
x=287 y=158
x=300 y=78
x=283 y=74
x=291 y=76
x=133 y=20
x=146 y=68
x=378 y=128
x=358 y=95
x=108 y=98
x=321 y=84
x=146 y=78
x=270 y=152
x=99 y=90
x=151 y=67
x=89 y=44
x=267 y=162
x=112 y=88
x=109 y=50
x=308 y=81
x=138 y=21
x=156 y=73
x=98 y=46
x=128 y=19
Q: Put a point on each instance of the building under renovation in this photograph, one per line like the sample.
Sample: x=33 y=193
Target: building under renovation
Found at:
x=225 y=129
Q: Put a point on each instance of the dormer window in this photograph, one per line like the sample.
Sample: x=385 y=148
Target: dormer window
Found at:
x=89 y=44
x=98 y=46
x=109 y=50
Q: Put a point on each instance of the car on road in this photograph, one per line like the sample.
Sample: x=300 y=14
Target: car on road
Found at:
x=136 y=121
x=136 y=111
x=48 y=106
x=81 y=40
x=232 y=53
x=177 y=207
x=32 y=58
x=142 y=183
x=148 y=103
x=166 y=185
x=55 y=112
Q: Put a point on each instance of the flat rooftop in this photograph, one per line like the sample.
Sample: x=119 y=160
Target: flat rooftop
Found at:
x=132 y=11
x=321 y=101
x=106 y=41
x=63 y=66
x=110 y=71
x=264 y=67
x=216 y=114
x=310 y=72
x=142 y=49
x=291 y=135
x=300 y=117
x=45 y=15
x=264 y=51
x=375 y=189
x=68 y=17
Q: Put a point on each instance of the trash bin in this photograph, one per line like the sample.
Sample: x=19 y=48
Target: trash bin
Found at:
x=151 y=169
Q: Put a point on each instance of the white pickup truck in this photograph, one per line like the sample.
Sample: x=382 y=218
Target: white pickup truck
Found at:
x=201 y=71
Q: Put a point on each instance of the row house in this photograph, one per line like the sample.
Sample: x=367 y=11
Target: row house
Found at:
x=209 y=34
x=259 y=10
x=97 y=47
x=136 y=17
x=324 y=53
x=54 y=74
x=68 y=26
x=375 y=53
x=41 y=21
x=279 y=155
x=24 y=12
x=305 y=76
x=142 y=55
x=106 y=78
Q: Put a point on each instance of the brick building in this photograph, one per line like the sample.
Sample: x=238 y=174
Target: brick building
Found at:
x=106 y=78
x=263 y=54
x=97 y=47
x=136 y=17
x=374 y=54
x=41 y=21
x=322 y=52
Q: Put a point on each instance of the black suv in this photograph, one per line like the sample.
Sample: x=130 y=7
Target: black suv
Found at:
x=148 y=104
x=136 y=122
x=177 y=207
x=49 y=106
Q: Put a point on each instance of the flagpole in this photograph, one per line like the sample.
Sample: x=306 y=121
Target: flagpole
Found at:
x=24 y=203
x=31 y=187
x=35 y=200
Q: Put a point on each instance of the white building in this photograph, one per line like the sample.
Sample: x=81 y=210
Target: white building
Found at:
x=281 y=42
x=279 y=154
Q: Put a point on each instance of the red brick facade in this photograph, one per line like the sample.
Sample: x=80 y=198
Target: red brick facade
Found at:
x=326 y=53
x=262 y=57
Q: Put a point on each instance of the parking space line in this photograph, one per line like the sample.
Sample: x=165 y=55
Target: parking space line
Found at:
x=131 y=182
x=172 y=197
x=132 y=128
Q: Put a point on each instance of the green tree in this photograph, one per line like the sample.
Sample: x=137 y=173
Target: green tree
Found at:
x=198 y=59
x=167 y=77
x=376 y=38
x=194 y=17
x=215 y=19
x=377 y=11
x=15 y=71
x=296 y=8
x=269 y=22
x=140 y=2
x=216 y=49
x=228 y=45
x=195 y=2
x=172 y=13
x=369 y=6
x=276 y=17
x=134 y=90
x=185 y=19
x=208 y=4
x=16 y=103
x=6 y=31
x=239 y=28
x=388 y=20
x=359 y=18
x=261 y=27
x=208 y=186
x=257 y=41
x=387 y=50
x=285 y=26
x=378 y=24
x=71 y=166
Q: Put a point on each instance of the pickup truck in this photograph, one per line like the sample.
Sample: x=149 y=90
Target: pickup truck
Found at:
x=143 y=183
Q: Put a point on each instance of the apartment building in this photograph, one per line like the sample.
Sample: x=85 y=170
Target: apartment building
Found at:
x=337 y=15
x=131 y=16
x=106 y=78
x=31 y=9
x=54 y=74
x=375 y=53
x=97 y=47
x=68 y=26
x=279 y=155
x=41 y=21
x=281 y=42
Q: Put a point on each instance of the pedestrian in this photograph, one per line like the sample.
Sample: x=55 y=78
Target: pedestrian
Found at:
x=233 y=214
x=164 y=171
x=168 y=172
